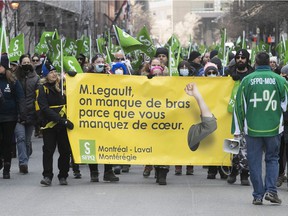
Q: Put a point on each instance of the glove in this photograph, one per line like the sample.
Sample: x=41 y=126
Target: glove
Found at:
x=72 y=73
x=67 y=123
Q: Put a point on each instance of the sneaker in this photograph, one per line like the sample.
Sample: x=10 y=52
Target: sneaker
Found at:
x=77 y=175
x=117 y=170
x=273 y=198
x=211 y=176
x=46 y=181
x=231 y=179
x=94 y=176
x=62 y=181
x=257 y=201
x=147 y=171
x=110 y=176
x=125 y=168
x=245 y=182
x=178 y=170
x=23 y=168
x=280 y=180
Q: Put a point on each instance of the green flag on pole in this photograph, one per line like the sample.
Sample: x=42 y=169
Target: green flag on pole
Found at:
x=83 y=45
x=16 y=48
x=148 y=47
x=70 y=63
x=126 y=41
x=69 y=48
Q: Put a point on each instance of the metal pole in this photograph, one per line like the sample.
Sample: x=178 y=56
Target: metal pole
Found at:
x=15 y=23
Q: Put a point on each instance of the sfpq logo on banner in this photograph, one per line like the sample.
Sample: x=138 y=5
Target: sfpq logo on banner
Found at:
x=87 y=151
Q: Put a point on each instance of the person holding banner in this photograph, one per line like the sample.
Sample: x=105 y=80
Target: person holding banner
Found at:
x=52 y=104
x=195 y=62
x=12 y=110
x=23 y=132
x=99 y=65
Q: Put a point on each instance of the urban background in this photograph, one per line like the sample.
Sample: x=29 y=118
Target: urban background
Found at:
x=196 y=19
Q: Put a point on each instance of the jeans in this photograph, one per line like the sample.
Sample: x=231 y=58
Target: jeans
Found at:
x=255 y=147
x=23 y=134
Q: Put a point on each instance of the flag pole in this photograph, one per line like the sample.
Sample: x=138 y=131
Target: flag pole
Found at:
x=90 y=48
x=62 y=70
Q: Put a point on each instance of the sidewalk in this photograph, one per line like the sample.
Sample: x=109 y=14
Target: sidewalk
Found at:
x=133 y=195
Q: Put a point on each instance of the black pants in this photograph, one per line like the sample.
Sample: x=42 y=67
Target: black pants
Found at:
x=94 y=167
x=6 y=135
x=52 y=137
x=283 y=155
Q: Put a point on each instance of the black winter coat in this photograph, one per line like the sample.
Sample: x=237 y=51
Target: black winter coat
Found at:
x=30 y=83
x=48 y=97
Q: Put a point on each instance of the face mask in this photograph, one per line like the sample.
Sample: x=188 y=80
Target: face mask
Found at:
x=99 y=68
x=212 y=75
x=27 y=67
x=184 y=72
x=119 y=72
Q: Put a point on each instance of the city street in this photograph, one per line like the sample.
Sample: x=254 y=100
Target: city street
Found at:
x=132 y=195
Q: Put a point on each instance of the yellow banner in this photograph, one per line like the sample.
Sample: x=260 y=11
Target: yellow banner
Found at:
x=136 y=120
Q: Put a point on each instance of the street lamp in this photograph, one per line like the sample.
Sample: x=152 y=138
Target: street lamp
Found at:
x=15 y=5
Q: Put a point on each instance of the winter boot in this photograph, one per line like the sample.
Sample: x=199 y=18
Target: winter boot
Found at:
x=110 y=176
x=6 y=170
x=94 y=176
x=162 y=176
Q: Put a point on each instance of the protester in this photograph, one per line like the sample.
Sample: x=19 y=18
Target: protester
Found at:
x=194 y=60
x=37 y=64
x=255 y=101
x=99 y=66
x=239 y=161
x=23 y=132
x=211 y=70
x=12 y=110
x=162 y=54
x=184 y=69
x=55 y=124
x=283 y=153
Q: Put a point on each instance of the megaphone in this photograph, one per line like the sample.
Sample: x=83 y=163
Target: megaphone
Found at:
x=231 y=146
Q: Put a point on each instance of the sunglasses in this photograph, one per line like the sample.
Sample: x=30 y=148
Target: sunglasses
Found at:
x=242 y=57
x=35 y=60
x=120 y=59
x=211 y=72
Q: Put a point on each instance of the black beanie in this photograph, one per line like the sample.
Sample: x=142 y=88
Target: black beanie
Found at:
x=243 y=52
x=194 y=55
x=213 y=53
x=162 y=50
x=4 y=61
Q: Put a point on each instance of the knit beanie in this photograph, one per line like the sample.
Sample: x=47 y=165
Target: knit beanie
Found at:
x=194 y=55
x=242 y=52
x=273 y=59
x=213 y=53
x=210 y=66
x=162 y=50
x=284 y=69
x=46 y=68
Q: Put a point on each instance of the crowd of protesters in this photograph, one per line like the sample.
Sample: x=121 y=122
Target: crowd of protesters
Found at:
x=31 y=80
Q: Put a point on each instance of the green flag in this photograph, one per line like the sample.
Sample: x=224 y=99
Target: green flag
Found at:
x=83 y=45
x=144 y=37
x=126 y=41
x=100 y=43
x=69 y=47
x=42 y=47
x=173 y=66
x=108 y=56
x=70 y=63
x=55 y=56
x=16 y=48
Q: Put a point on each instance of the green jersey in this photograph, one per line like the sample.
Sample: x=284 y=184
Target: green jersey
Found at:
x=260 y=102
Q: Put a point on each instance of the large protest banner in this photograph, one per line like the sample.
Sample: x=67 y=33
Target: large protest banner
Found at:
x=136 y=120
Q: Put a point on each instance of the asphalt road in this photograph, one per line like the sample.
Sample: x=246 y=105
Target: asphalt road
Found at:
x=132 y=195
